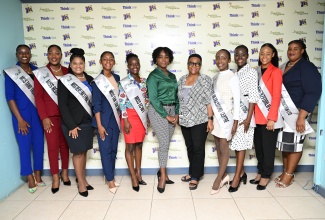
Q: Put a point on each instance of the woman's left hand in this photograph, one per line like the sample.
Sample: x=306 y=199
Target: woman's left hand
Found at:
x=175 y=121
x=270 y=125
x=300 y=125
x=210 y=126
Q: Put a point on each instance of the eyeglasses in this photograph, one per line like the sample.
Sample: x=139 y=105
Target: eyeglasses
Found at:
x=194 y=64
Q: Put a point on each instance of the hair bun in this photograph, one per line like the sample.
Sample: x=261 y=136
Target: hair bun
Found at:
x=77 y=51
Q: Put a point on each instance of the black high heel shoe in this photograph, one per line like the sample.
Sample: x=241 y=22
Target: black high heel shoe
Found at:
x=234 y=189
x=66 y=183
x=141 y=182
x=84 y=194
x=253 y=181
x=243 y=179
x=89 y=187
x=167 y=181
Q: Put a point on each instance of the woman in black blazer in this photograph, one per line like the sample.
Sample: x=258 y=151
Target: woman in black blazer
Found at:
x=74 y=100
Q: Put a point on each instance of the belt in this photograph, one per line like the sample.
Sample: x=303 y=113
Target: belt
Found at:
x=171 y=104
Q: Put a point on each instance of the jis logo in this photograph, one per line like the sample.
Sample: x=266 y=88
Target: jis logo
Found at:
x=254 y=51
x=92 y=63
x=255 y=14
x=191 y=51
x=66 y=36
x=191 y=34
x=254 y=34
x=279 y=23
x=152 y=26
x=91 y=45
x=65 y=17
x=127 y=16
x=127 y=52
x=214 y=62
x=30 y=28
x=216 y=6
x=280 y=59
x=302 y=22
x=89 y=27
x=216 y=43
x=28 y=9
x=34 y=63
x=303 y=3
x=152 y=8
x=191 y=15
x=280 y=4
x=32 y=46
x=215 y=25
x=127 y=35
x=251 y=156
x=279 y=41
x=89 y=8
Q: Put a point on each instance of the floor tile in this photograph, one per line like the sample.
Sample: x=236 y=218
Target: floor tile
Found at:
x=10 y=209
x=64 y=193
x=125 y=191
x=93 y=210
x=129 y=209
x=102 y=180
x=43 y=210
x=172 y=209
x=203 y=191
x=147 y=178
x=293 y=190
x=23 y=194
x=303 y=207
x=172 y=191
x=250 y=191
x=100 y=193
x=208 y=209
x=261 y=208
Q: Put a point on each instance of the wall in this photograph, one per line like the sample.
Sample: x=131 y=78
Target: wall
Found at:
x=196 y=27
x=11 y=35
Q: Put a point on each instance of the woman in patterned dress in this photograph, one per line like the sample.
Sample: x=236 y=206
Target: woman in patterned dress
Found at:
x=243 y=138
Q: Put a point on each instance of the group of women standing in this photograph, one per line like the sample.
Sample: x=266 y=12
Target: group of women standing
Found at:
x=238 y=108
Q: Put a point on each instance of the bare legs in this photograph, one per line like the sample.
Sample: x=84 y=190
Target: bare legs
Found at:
x=79 y=163
x=130 y=150
x=240 y=157
x=290 y=162
x=222 y=146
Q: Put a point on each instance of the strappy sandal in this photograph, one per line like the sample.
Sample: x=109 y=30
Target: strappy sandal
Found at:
x=186 y=178
x=283 y=185
x=276 y=180
x=193 y=186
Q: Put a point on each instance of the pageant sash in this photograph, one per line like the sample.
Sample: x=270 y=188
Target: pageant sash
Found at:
x=48 y=82
x=78 y=90
x=136 y=98
x=264 y=103
x=244 y=106
x=107 y=89
x=23 y=81
x=221 y=112
x=290 y=113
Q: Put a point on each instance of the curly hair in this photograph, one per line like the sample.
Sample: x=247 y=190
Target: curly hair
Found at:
x=158 y=50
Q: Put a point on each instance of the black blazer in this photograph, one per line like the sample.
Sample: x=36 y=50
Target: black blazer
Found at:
x=72 y=112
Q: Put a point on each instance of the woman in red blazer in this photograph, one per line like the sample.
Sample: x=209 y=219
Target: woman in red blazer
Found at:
x=267 y=126
x=48 y=110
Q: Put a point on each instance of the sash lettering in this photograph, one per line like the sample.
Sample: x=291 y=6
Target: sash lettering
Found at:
x=108 y=91
x=48 y=82
x=23 y=81
x=79 y=90
x=136 y=98
x=244 y=105
x=221 y=112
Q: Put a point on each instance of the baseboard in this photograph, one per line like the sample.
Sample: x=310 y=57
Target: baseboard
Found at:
x=182 y=170
x=321 y=191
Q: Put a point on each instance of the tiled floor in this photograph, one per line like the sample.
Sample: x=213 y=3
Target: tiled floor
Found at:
x=177 y=202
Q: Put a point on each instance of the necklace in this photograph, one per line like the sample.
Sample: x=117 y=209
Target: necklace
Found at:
x=29 y=70
x=55 y=70
x=80 y=77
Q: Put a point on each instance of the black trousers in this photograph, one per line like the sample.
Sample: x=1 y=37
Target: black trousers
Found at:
x=195 y=138
x=265 y=145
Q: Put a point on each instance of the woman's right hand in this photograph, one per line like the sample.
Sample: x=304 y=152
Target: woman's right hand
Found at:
x=74 y=132
x=23 y=127
x=171 y=119
x=47 y=125
x=127 y=126
x=102 y=132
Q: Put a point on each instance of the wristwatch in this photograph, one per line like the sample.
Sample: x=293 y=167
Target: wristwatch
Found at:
x=210 y=118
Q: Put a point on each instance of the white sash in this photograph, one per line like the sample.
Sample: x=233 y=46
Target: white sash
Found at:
x=135 y=96
x=48 y=82
x=221 y=112
x=290 y=113
x=23 y=81
x=79 y=90
x=107 y=89
x=244 y=106
x=264 y=103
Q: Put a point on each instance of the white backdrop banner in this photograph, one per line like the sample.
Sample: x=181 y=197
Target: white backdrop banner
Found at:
x=195 y=27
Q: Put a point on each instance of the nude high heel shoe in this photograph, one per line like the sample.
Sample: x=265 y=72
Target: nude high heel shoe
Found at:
x=222 y=183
